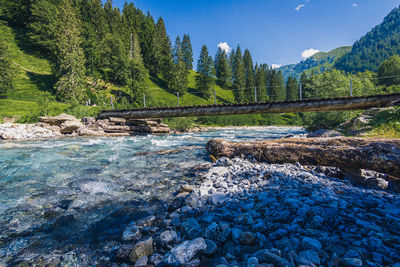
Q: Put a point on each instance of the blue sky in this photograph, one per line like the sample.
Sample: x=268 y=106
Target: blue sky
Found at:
x=275 y=31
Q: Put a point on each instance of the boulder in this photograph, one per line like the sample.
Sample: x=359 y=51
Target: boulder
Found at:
x=184 y=252
x=83 y=131
x=57 y=120
x=69 y=126
x=324 y=133
x=131 y=232
x=142 y=248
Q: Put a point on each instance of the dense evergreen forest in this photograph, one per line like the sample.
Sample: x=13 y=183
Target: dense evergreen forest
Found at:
x=90 y=44
x=381 y=43
x=87 y=40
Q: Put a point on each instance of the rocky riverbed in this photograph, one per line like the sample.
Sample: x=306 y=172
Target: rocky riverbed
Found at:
x=242 y=213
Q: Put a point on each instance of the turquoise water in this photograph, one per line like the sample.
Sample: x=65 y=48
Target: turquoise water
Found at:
x=76 y=195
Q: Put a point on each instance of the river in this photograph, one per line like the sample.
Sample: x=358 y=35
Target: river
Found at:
x=75 y=195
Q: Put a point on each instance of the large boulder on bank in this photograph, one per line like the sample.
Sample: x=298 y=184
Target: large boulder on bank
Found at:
x=68 y=127
x=324 y=133
x=58 y=120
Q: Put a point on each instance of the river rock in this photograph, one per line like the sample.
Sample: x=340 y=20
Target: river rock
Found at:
x=131 y=232
x=247 y=238
x=58 y=120
x=142 y=262
x=142 y=248
x=211 y=248
x=191 y=228
x=184 y=252
x=83 y=131
x=167 y=237
x=308 y=257
x=69 y=126
x=219 y=198
x=324 y=133
x=352 y=262
x=311 y=243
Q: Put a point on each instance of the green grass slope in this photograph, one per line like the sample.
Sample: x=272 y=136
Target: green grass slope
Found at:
x=319 y=62
x=34 y=83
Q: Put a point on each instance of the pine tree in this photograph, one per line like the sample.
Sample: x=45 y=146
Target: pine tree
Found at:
x=239 y=75
x=248 y=66
x=260 y=84
x=232 y=65
x=180 y=76
x=162 y=49
x=6 y=69
x=222 y=68
x=70 y=61
x=187 y=52
x=146 y=43
x=43 y=23
x=205 y=70
x=277 y=85
x=115 y=60
x=292 y=89
x=93 y=31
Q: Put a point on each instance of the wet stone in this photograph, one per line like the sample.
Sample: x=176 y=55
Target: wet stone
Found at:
x=191 y=228
x=247 y=238
x=352 y=262
x=184 y=252
x=131 y=232
x=142 y=248
x=211 y=248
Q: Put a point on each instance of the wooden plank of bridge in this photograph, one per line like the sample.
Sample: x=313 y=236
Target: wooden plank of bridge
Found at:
x=333 y=104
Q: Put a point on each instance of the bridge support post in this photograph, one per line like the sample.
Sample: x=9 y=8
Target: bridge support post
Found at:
x=177 y=94
x=301 y=93
x=255 y=95
x=144 y=100
x=215 y=97
x=112 y=104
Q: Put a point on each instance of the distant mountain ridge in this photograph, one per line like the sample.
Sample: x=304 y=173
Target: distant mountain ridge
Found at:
x=382 y=42
x=320 y=62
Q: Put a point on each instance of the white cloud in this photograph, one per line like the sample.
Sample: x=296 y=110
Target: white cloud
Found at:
x=308 y=53
x=224 y=46
x=355 y=5
x=276 y=66
x=299 y=7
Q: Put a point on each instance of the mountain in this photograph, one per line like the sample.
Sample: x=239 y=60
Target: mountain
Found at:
x=321 y=61
x=382 y=42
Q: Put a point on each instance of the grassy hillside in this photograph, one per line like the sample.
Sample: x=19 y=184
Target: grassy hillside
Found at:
x=33 y=77
x=34 y=83
x=319 y=62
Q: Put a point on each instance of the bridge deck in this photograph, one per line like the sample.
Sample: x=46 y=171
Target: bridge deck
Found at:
x=331 y=104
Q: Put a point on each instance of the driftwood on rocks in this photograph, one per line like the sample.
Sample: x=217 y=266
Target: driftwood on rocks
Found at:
x=349 y=154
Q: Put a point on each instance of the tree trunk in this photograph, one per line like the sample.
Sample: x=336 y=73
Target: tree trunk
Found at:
x=380 y=155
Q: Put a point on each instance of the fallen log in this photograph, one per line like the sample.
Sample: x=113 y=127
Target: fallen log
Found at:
x=380 y=155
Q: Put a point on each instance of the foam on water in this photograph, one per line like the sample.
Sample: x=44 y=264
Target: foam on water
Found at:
x=83 y=191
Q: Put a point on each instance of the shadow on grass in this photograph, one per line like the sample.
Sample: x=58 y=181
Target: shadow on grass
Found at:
x=25 y=44
x=45 y=82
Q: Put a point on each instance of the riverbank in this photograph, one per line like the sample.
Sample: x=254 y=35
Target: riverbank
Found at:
x=244 y=214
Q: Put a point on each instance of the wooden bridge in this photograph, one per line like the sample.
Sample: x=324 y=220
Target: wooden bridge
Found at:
x=331 y=104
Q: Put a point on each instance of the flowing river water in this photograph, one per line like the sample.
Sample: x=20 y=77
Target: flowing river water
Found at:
x=75 y=195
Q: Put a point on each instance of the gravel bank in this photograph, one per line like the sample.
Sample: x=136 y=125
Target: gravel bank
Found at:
x=250 y=214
